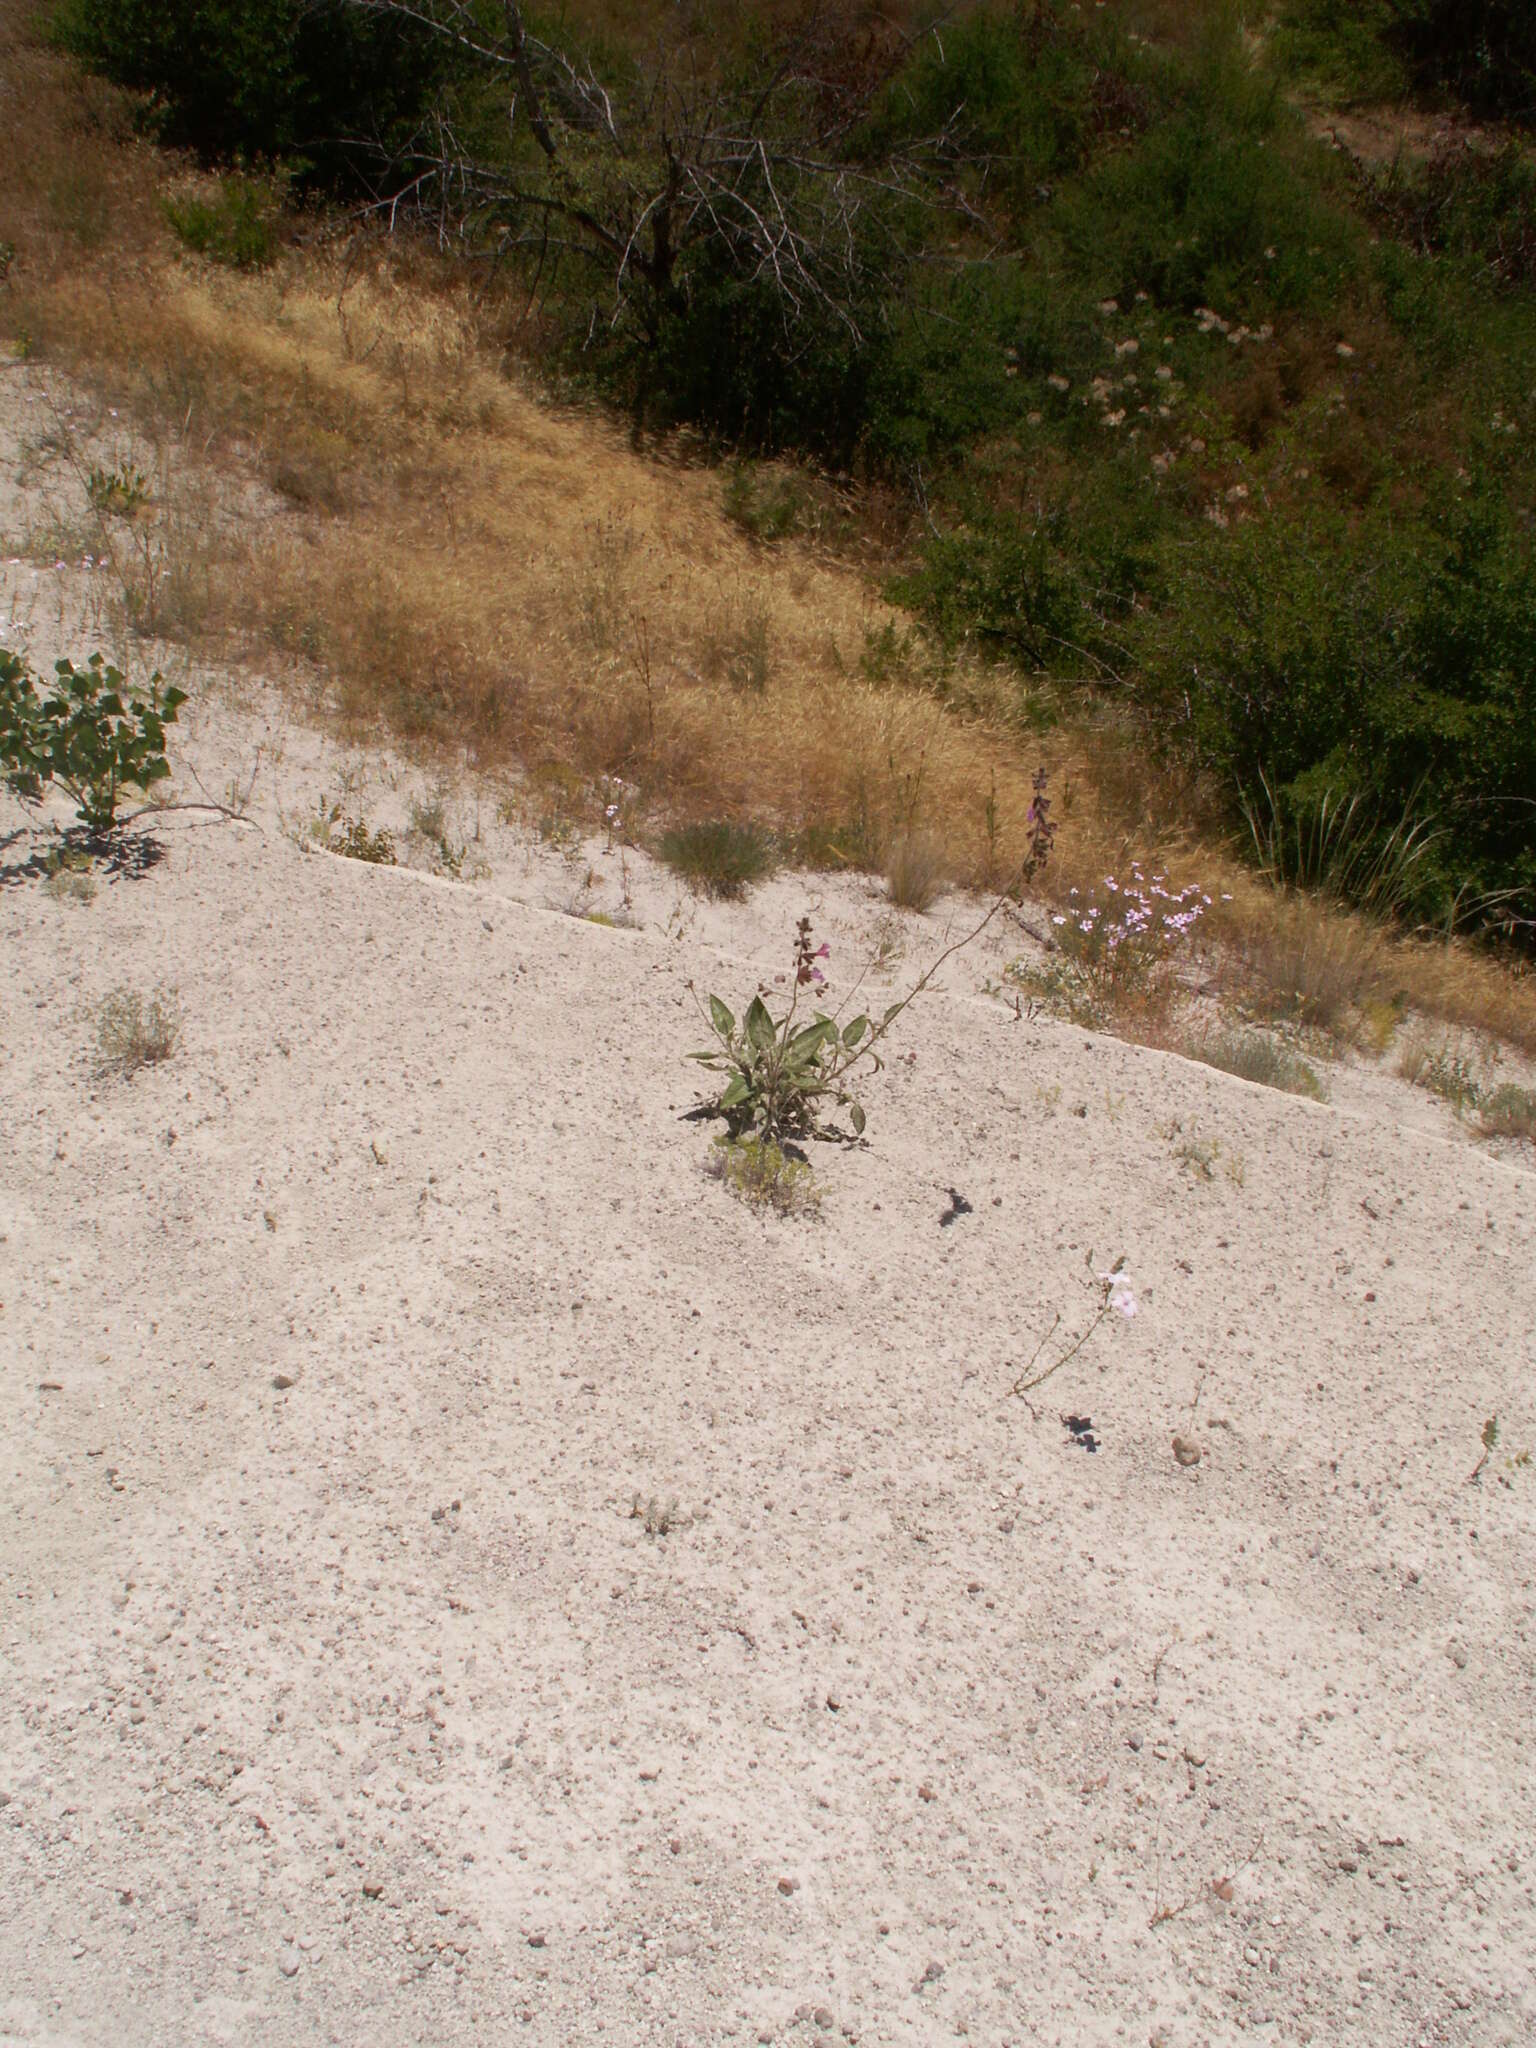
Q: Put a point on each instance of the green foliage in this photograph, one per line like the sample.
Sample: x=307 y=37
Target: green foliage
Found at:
x=351 y=838
x=1388 y=672
x=766 y=509
x=81 y=733
x=237 y=229
x=1212 y=211
x=1253 y=1056
x=122 y=490
x=1023 y=95
x=1480 y=52
x=260 y=78
x=1465 y=202
x=1337 y=845
x=765 y=1176
x=781 y=1070
x=719 y=858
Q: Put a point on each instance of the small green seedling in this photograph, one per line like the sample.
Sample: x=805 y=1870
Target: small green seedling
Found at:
x=123 y=490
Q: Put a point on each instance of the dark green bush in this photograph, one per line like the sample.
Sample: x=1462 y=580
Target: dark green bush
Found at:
x=1481 y=51
x=238 y=228
x=1484 y=51
x=1205 y=214
x=1395 y=664
x=260 y=78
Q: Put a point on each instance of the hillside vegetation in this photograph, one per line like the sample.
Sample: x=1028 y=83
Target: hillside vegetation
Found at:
x=1181 y=448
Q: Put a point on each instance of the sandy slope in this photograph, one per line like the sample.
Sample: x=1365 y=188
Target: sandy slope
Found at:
x=364 y=1707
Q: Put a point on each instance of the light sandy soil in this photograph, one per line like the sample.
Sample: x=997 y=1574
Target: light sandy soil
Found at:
x=345 y=1694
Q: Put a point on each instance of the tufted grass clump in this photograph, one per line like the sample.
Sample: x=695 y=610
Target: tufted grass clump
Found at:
x=1252 y=1056
x=719 y=858
x=134 y=1032
x=915 y=874
x=764 y=1175
x=1508 y=1111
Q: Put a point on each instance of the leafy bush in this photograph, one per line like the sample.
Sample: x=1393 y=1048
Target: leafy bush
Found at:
x=1482 y=51
x=260 y=78
x=80 y=733
x=1396 y=664
x=237 y=229
x=719 y=858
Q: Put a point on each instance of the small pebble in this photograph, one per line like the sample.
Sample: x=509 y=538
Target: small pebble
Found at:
x=288 y=1960
x=1186 y=1451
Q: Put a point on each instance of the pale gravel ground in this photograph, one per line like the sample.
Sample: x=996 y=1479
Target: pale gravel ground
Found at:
x=984 y=1702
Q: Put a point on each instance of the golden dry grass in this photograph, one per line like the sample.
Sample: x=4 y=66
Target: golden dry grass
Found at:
x=507 y=581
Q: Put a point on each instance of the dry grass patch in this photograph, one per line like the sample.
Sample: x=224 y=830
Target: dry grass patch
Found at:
x=915 y=875
x=134 y=1031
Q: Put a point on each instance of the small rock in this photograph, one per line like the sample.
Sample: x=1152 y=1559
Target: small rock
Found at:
x=1133 y=1742
x=788 y=1885
x=834 y=1704
x=1458 y=1656
x=823 y=2016
x=1186 y=1450
x=926 y=1792
x=931 y=1975
x=283 y=1381
x=1251 y=1955
x=373 y=1891
x=288 y=1960
x=538 y=1938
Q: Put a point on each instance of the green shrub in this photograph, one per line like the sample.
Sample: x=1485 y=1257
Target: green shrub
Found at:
x=1481 y=51
x=1253 y=1057
x=1394 y=664
x=237 y=229
x=260 y=78
x=81 y=733
x=719 y=858
x=766 y=509
x=1204 y=212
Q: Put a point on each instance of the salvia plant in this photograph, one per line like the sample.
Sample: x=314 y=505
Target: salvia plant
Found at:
x=86 y=732
x=783 y=1073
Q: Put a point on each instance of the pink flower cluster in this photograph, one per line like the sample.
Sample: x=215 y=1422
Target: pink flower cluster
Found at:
x=1140 y=911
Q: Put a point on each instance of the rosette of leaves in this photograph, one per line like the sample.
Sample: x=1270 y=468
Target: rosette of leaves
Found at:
x=86 y=732
x=781 y=1071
